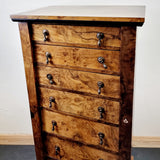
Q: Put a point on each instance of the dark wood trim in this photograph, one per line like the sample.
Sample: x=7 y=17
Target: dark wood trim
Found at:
x=127 y=60
x=49 y=158
x=81 y=23
x=30 y=79
x=120 y=22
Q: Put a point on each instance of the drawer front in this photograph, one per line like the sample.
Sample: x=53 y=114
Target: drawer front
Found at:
x=79 y=81
x=83 y=36
x=79 y=58
x=95 y=108
x=73 y=151
x=81 y=130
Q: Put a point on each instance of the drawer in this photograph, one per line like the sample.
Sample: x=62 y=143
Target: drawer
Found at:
x=79 y=81
x=82 y=130
x=79 y=58
x=86 y=106
x=83 y=36
x=67 y=150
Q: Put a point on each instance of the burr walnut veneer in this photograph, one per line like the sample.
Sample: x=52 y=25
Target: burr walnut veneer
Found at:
x=79 y=64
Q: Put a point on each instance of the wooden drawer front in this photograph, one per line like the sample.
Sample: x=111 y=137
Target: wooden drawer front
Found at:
x=80 y=105
x=79 y=58
x=83 y=36
x=81 y=130
x=80 y=81
x=74 y=151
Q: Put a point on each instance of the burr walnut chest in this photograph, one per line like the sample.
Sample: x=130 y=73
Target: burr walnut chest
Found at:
x=79 y=65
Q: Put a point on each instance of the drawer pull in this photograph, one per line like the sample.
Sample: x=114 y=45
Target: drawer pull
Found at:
x=57 y=150
x=101 y=136
x=102 y=60
x=100 y=85
x=49 y=76
x=54 y=123
x=100 y=159
x=51 y=99
x=101 y=110
x=100 y=36
x=48 y=55
x=45 y=34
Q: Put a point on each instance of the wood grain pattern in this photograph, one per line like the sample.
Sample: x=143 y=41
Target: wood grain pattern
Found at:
x=73 y=44
x=78 y=58
x=80 y=105
x=135 y=21
x=81 y=130
x=128 y=36
x=83 y=36
x=49 y=158
x=30 y=77
x=76 y=151
x=80 y=81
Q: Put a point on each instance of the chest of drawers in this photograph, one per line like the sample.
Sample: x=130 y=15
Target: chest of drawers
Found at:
x=79 y=65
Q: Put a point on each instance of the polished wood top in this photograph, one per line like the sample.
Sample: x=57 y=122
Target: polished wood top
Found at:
x=133 y=14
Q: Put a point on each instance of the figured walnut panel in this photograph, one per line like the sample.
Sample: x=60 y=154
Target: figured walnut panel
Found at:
x=79 y=58
x=83 y=36
x=70 y=150
x=81 y=130
x=80 y=105
x=80 y=81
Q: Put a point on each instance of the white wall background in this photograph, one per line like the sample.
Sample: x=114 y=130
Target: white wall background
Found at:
x=14 y=107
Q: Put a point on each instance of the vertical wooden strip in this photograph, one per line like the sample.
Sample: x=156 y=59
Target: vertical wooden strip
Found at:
x=30 y=78
x=127 y=60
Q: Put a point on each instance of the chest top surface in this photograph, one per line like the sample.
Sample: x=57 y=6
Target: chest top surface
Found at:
x=131 y=14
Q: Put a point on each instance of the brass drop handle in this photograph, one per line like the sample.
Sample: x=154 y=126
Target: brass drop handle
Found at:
x=100 y=36
x=100 y=85
x=51 y=100
x=49 y=76
x=101 y=111
x=54 y=123
x=48 y=55
x=57 y=150
x=102 y=60
x=45 y=34
x=101 y=137
x=100 y=159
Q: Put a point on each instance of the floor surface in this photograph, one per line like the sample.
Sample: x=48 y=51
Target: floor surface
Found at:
x=27 y=153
